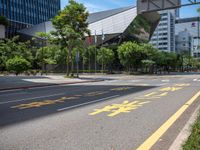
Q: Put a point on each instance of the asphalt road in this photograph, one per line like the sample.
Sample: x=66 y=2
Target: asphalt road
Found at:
x=116 y=114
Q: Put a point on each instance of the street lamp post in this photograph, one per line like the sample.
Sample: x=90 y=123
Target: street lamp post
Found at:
x=198 y=34
x=95 y=41
x=95 y=59
x=102 y=40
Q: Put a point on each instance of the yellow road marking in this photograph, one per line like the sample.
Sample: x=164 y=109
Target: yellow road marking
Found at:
x=153 y=95
x=171 y=89
x=150 y=94
x=121 y=89
x=43 y=103
x=156 y=135
x=96 y=93
x=116 y=109
x=184 y=84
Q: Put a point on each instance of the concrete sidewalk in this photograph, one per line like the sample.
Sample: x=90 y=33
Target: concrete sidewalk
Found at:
x=24 y=82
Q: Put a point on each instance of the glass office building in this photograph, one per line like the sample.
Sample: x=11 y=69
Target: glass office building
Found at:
x=164 y=35
x=25 y=13
x=187 y=31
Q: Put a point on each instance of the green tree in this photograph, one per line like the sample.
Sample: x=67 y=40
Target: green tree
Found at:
x=147 y=63
x=89 y=56
x=198 y=9
x=9 y=48
x=166 y=60
x=171 y=59
x=149 y=52
x=130 y=54
x=47 y=55
x=4 y=21
x=70 y=28
x=105 y=56
x=17 y=64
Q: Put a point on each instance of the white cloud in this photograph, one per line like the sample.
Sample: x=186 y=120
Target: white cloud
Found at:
x=91 y=6
x=94 y=7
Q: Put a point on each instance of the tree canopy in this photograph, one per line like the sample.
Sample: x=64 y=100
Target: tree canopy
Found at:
x=70 y=28
x=105 y=56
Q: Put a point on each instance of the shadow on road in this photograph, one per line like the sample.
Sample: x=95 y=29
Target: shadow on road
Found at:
x=7 y=82
x=25 y=106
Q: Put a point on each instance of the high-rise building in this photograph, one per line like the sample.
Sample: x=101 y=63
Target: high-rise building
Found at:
x=192 y=26
x=184 y=42
x=164 y=35
x=25 y=13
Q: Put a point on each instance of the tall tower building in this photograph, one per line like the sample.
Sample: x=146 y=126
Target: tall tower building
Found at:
x=164 y=35
x=192 y=26
x=25 y=13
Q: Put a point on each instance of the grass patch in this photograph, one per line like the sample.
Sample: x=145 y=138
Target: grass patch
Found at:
x=193 y=142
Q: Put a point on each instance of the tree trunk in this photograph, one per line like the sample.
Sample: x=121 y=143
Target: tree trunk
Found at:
x=67 y=65
x=69 y=61
x=89 y=65
x=72 y=66
x=82 y=65
x=45 y=68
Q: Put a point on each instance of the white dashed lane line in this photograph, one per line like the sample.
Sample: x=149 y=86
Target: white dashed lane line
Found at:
x=165 y=80
x=196 y=80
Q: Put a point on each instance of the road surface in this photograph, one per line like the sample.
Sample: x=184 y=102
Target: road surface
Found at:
x=115 y=114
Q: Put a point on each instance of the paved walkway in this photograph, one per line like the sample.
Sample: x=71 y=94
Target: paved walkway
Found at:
x=14 y=82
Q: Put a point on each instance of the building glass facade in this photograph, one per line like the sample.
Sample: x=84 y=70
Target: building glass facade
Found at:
x=25 y=13
x=192 y=26
x=164 y=35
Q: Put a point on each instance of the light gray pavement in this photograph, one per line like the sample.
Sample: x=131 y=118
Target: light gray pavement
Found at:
x=15 y=82
x=55 y=126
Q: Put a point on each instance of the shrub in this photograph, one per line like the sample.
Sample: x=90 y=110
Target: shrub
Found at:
x=17 y=65
x=3 y=21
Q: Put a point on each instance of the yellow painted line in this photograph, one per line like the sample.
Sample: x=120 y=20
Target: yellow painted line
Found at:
x=150 y=94
x=156 y=135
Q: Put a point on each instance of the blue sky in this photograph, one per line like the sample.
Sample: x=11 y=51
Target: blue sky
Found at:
x=99 y=5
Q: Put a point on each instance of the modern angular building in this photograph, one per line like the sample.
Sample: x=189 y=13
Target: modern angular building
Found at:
x=111 y=26
x=25 y=13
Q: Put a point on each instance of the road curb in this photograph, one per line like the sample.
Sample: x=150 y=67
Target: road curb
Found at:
x=185 y=132
x=47 y=85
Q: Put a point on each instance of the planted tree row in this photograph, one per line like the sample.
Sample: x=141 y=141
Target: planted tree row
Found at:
x=60 y=47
